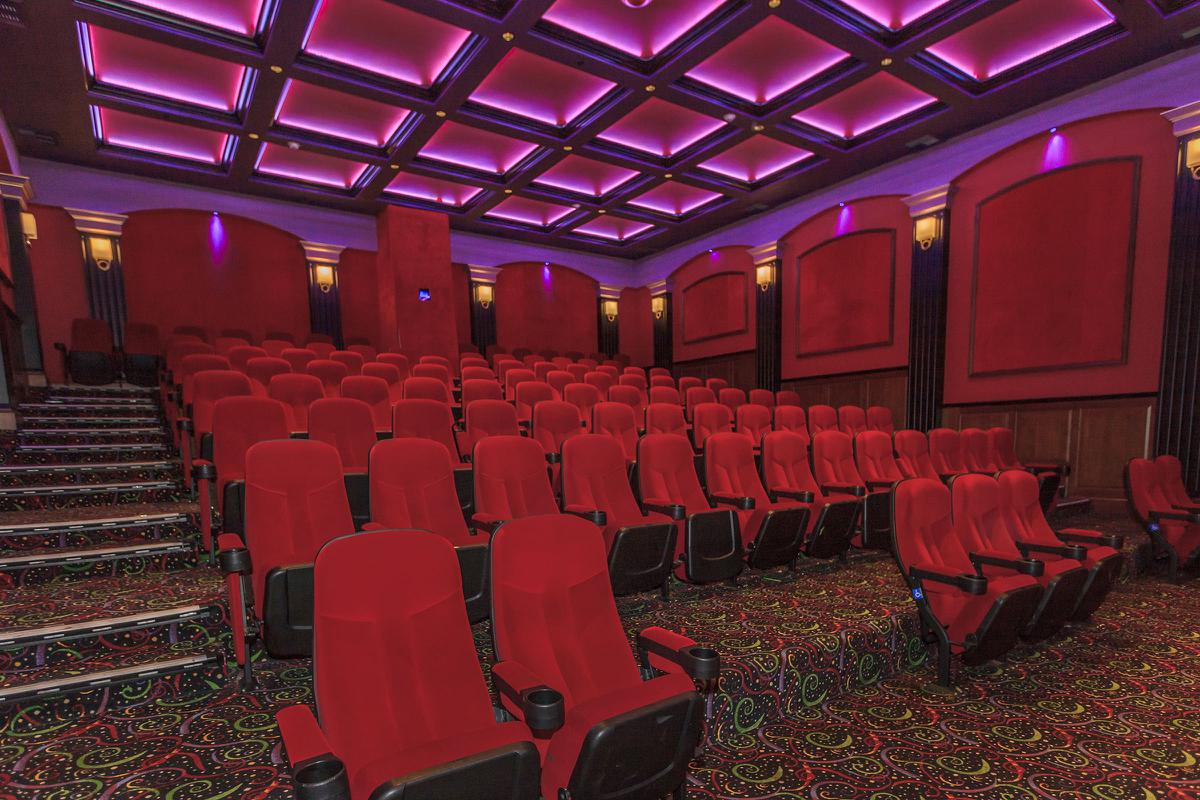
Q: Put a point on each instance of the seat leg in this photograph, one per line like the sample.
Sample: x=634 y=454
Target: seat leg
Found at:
x=680 y=792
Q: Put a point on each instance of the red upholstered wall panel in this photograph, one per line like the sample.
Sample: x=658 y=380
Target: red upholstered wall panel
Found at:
x=636 y=327
x=846 y=278
x=1052 y=264
x=1020 y=253
x=358 y=294
x=58 y=285
x=461 y=289
x=414 y=254
x=713 y=307
x=542 y=307
x=5 y=262
x=185 y=267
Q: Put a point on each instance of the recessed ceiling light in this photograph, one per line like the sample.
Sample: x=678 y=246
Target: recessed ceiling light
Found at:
x=650 y=87
x=440 y=114
x=252 y=135
x=758 y=127
x=774 y=3
x=394 y=166
x=668 y=175
x=276 y=69
x=568 y=147
x=730 y=117
x=507 y=36
x=887 y=62
x=508 y=191
x=602 y=211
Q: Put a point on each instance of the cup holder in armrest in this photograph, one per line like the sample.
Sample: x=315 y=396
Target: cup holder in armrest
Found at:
x=676 y=511
x=973 y=584
x=702 y=663
x=321 y=778
x=1078 y=552
x=542 y=708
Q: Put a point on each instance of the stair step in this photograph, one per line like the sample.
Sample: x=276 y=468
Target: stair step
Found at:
x=140 y=409
x=95 y=627
x=86 y=468
x=79 y=424
x=35 y=567
x=63 y=490
x=139 y=430
x=91 y=682
x=130 y=447
x=78 y=533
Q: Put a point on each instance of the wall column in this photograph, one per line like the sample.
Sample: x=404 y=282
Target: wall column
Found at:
x=324 y=304
x=930 y=211
x=414 y=255
x=608 y=335
x=20 y=345
x=100 y=237
x=660 y=305
x=483 y=306
x=768 y=318
x=1178 y=430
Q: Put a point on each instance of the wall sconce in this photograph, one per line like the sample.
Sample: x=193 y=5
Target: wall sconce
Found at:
x=1193 y=157
x=658 y=305
x=101 y=250
x=925 y=230
x=764 y=276
x=28 y=227
x=484 y=294
x=610 y=310
x=323 y=277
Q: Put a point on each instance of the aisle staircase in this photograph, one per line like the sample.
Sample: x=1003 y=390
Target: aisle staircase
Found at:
x=104 y=599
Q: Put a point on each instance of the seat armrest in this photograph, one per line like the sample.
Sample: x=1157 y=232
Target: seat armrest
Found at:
x=553 y=457
x=1178 y=516
x=1025 y=566
x=316 y=772
x=184 y=424
x=800 y=497
x=484 y=523
x=880 y=484
x=592 y=515
x=232 y=555
x=946 y=477
x=844 y=488
x=1191 y=509
x=672 y=510
x=742 y=503
x=971 y=584
x=60 y=347
x=699 y=662
x=1066 y=551
x=204 y=470
x=1094 y=538
x=539 y=706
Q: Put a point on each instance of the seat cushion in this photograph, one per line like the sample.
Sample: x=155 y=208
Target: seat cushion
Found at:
x=962 y=613
x=1183 y=536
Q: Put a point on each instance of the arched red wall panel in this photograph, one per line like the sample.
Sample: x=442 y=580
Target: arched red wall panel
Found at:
x=57 y=262
x=542 y=307
x=359 y=294
x=713 y=304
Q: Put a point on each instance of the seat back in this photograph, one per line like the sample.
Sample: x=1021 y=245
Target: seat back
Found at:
x=791 y=418
x=923 y=527
x=558 y=381
x=397 y=360
x=852 y=420
x=436 y=359
x=1021 y=507
x=515 y=377
x=190 y=365
x=321 y=347
x=297 y=357
x=785 y=464
x=833 y=459
x=375 y=393
x=665 y=394
x=330 y=373
x=978 y=523
x=601 y=380
x=553 y=609
x=583 y=396
x=180 y=349
x=786 y=397
x=295 y=502
x=1002 y=446
x=511 y=479
x=475 y=389
x=715 y=385
x=412 y=486
x=753 y=422
x=731 y=398
x=667 y=472
x=141 y=339
x=554 y=422
x=239 y=356
x=390 y=375
x=762 y=397
x=418 y=388
x=666 y=418
x=879 y=418
x=347 y=425
x=616 y=421
x=275 y=347
x=297 y=393
x=821 y=418
x=578 y=371
x=542 y=369
x=977 y=451
x=688 y=382
x=610 y=369
x=191 y=330
x=477 y=373
x=873 y=455
x=707 y=419
x=381 y=658
x=630 y=396
x=365 y=351
x=729 y=468
x=1170 y=478
x=437 y=372
x=489 y=418
x=662 y=381
x=529 y=394
x=945 y=451
x=595 y=475
x=237 y=424
x=226 y=343
x=912 y=455
x=659 y=372
x=635 y=379
x=210 y=386
x=694 y=396
x=353 y=362
x=422 y=418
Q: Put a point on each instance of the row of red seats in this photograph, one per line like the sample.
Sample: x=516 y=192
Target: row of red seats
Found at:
x=1160 y=502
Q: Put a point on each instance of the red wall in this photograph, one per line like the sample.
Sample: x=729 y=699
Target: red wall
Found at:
x=357 y=294
x=845 y=285
x=461 y=288
x=713 y=304
x=56 y=257
x=537 y=310
x=5 y=259
x=414 y=254
x=180 y=271
x=635 y=327
x=1043 y=299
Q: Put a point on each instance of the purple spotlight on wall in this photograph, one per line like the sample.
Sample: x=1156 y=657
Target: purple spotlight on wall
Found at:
x=845 y=220
x=216 y=238
x=546 y=276
x=1057 y=153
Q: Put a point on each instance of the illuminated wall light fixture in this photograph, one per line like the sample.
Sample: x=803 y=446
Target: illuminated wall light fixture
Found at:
x=1193 y=157
x=28 y=227
x=484 y=292
x=764 y=276
x=323 y=277
x=610 y=310
x=101 y=250
x=925 y=230
x=658 y=305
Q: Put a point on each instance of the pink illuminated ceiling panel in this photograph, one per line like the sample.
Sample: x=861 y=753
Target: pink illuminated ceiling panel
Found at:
x=143 y=66
x=766 y=61
x=1019 y=33
x=464 y=146
x=433 y=190
x=661 y=128
x=235 y=16
x=122 y=129
x=894 y=14
x=540 y=89
x=308 y=167
x=345 y=116
x=755 y=159
x=585 y=176
x=614 y=228
x=529 y=212
x=381 y=37
x=865 y=106
x=674 y=198
x=641 y=32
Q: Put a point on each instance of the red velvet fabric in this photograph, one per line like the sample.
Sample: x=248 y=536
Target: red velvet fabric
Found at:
x=422 y=418
x=873 y=452
x=412 y=486
x=237 y=424
x=833 y=460
x=694 y=396
x=376 y=393
x=348 y=426
x=353 y=362
x=667 y=473
x=538 y=304
x=852 y=420
x=528 y=395
x=596 y=477
x=583 y=396
x=977 y=451
x=1147 y=493
x=666 y=418
x=555 y=421
x=418 y=388
x=945 y=451
x=357 y=294
x=754 y=422
x=709 y=419
x=209 y=386
x=510 y=478
x=730 y=471
x=791 y=418
x=912 y=455
x=665 y=394
x=239 y=356
x=297 y=393
x=488 y=418
x=617 y=421
x=879 y=418
x=713 y=304
x=822 y=418
x=414 y=254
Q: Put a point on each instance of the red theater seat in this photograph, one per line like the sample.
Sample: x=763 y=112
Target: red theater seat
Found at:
x=529 y=394
x=298 y=358
x=417 y=388
x=511 y=481
x=834 y=468
x=635 y=379
x=555 y=625
x=583 y=396
x=629 y=396
x=762 y=397
x=979 y=526
x=822 y=418
x=595 y=486
x=437 y=372
x=977 y=617
x=192 y=330
x=710 y=547
x=611 y=370
x=665 y=394
x=275 y=347
x=422 y=418
x=731 y=398
x=695 y=396
x=1001 y=445
x=792 y=419
x=89 y=358
x=558 y=381
x=786 y=397
x=875 y=461
x=237 y=333
x=663 y=381
x=688 y=382
x=715 y=385
x=772 y=530
x=1170 y=474
x=240 y=355
x=297 y=393
x=852 y=420
x=478 y=373
x=404 y=708
x=183 y=376
x=353 y=362
x=330 y=373
x=349 y=427
x=617 y=422
x=1174 y=532
x=224 y=344
x=578 y=371
x=542 y=369
x=323 y=349
x=209 y=386
x=709 y=419
x=977 y=452
x=513 y=378
x=601 y=380
x=912 y=455
x=754 y=422
x=555 y=421
x=295 y=503
x=397 y=360
x=476 y=389
x=786 y=474
x=666 y=418
x=879 y=418
x=659 y=372
x=376 y=393
x=946 y=452
x=140 y=354
x=488 y=418
x=365 y=351
x=390 y=375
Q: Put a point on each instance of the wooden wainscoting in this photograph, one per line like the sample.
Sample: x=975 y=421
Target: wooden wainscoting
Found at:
x=736 y=368
x=1095 y=436
x=878 y=388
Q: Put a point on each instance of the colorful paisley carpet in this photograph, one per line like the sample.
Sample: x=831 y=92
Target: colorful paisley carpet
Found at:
x=825 y=695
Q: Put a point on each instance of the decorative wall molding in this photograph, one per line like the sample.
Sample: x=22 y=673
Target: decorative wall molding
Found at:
x=16 y=187
x=98 y=223
x=768 y=253
x=931 y=201
x=318 y=253
x=483 y=274
x=1185 y=120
